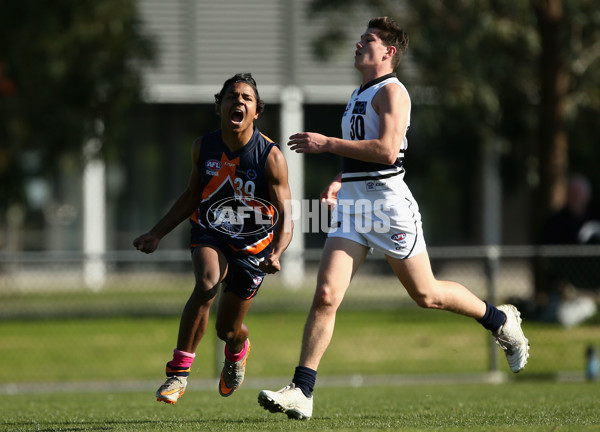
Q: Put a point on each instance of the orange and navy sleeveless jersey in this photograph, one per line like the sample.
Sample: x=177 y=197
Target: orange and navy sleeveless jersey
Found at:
x=235 y=203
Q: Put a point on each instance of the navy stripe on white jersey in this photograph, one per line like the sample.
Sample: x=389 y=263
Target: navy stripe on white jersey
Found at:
x=372 y=175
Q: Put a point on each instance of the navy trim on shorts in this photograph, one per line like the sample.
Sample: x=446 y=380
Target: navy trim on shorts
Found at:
x=416 y=231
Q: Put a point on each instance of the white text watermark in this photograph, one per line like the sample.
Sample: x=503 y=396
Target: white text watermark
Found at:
x=248 y=216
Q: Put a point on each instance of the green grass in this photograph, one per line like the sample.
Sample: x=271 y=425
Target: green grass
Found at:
x=506 y=407
x=41 y=357
x=405 y=341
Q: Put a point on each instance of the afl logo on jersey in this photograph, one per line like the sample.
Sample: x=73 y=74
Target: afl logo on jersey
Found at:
x=213 y=164
x=212 y=167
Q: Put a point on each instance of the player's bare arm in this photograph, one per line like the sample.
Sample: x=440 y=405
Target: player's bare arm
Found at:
x=392 y=104
x=329 y=194
x=182 y=209
x=280 y=196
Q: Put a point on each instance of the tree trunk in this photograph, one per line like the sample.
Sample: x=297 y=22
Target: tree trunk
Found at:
x=552 y=129
x=552 y=154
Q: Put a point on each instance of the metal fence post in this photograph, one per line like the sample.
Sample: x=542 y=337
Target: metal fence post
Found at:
x=492 y=265
x=219 y=356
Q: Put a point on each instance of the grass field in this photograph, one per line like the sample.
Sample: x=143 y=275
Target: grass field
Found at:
x=530 y=406
x=401 y=369
x=407 y=341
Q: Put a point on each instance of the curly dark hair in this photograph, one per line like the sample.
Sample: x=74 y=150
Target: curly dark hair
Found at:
x=247 y=79
x=391 y=35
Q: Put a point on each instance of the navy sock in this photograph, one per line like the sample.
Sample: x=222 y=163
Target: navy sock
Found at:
x=304 y=379
x=177 y=370
x=493 y=318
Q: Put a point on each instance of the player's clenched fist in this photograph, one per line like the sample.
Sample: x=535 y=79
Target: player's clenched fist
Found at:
x=146 y=243
x=270 y=264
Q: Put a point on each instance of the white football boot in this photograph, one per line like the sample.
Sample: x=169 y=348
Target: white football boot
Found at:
x=172 y=389
x=289 y=400
x=512 y=340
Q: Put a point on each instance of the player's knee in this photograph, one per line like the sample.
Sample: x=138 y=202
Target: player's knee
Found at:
x=225 y=330
x=207 y=280
x=423 y=302
x=325 y=298
x=225 y=333
x=427 y=301
x=205 y=289
x=229 y=334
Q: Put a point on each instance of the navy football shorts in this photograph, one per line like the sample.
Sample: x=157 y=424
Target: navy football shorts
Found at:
x=243 y=278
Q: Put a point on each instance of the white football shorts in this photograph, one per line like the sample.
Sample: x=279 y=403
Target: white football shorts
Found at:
x=395 y=230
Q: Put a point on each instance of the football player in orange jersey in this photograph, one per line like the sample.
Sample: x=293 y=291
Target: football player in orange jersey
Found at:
x=238 y=203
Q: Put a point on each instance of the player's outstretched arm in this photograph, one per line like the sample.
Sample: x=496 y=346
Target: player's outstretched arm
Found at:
x=392 y=104
x=281 y=198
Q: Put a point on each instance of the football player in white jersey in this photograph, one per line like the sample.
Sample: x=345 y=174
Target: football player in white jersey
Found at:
x=375 y=209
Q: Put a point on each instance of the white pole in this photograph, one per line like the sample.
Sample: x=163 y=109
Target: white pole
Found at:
x=94 y=216
x=492 y=226
x=292 y=121
x=492 y=194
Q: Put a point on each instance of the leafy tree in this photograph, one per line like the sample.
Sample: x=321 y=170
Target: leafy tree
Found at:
x=515 y=74
x=65 y=68
x=569 y=71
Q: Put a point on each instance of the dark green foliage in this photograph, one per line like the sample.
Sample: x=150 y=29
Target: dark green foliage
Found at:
x=65 y=67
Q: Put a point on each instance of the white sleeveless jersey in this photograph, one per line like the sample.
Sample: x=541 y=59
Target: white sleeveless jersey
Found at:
x=367 y=180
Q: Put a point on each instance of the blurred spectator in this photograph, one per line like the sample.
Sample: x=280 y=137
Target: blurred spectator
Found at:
x=574 y=223
x=571 y=281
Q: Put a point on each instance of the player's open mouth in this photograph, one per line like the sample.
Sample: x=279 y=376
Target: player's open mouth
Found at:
x=237 y=116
